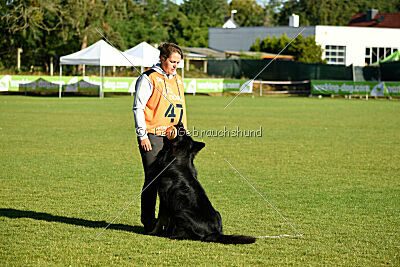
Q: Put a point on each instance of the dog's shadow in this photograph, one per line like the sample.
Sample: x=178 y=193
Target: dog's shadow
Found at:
x=15 y=214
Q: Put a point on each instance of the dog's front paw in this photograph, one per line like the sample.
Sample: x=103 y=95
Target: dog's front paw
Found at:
x=158 y=229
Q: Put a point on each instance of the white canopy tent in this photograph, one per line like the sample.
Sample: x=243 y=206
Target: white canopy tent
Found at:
x=148 y=56
x=98 y=54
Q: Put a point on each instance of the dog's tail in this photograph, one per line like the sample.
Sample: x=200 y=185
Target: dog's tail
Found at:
x=230 y=239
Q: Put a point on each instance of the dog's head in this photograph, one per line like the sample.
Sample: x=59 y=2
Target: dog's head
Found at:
x=183 y=144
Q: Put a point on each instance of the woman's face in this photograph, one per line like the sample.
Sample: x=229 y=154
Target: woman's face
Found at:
x=170 y=64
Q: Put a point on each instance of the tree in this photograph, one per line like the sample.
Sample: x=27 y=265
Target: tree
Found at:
x=86 y=18
x=271 y=11
x=304 y=49
x=190 y=27
x=47 y=29
x=249 y=13
x=34 y=26
x=147 y=21
x=330 y=12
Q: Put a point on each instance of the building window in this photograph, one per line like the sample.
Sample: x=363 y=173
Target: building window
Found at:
x=375 y=54
x=335 y=54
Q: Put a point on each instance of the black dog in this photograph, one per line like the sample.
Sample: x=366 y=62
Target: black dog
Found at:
x=185 y=211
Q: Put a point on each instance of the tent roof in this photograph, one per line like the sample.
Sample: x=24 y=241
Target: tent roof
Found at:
x=395 y=56
x=99 y=54
x=147 y=55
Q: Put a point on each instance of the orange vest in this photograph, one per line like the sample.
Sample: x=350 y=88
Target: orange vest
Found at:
x=166 y=105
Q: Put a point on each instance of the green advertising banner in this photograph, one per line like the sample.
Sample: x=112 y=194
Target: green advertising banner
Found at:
x=393 y=88
x=215 y=85
x=110 y=84
x=69 y=83
x=319 y=87
x=115 y=84
x=39 y=85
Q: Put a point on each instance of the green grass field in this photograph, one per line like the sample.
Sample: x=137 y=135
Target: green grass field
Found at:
x=331 y=166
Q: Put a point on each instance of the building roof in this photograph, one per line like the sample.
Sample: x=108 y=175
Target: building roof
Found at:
x=205 y=52
x=238 y=54
x=230 y=23
x=241 y=39
x=381 y=20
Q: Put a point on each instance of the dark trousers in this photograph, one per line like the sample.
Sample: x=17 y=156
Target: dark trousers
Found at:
x=149 y=195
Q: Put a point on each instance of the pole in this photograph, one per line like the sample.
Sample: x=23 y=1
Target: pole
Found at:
x=51 y=66
x=233 y=12
x=354 y=78
x=60 y=86
x=101 y=82
x=19 y=51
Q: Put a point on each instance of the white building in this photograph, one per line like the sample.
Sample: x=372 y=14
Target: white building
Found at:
x=356 y=45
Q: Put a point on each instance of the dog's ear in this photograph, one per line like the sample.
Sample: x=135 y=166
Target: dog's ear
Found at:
x=197 y=146
x=181 y=131
x=179 y=125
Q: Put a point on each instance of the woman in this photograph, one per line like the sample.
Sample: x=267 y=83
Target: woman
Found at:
x=159 y=103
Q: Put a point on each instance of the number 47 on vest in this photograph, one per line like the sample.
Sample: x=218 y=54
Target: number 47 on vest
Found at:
x=170 y=113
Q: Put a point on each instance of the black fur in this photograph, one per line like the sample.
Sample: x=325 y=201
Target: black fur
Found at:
x=185 y=210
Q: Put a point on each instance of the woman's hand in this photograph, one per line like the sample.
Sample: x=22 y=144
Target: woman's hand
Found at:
x=145 y=144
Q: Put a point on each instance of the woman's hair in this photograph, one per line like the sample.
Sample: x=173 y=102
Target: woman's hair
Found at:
x=166 y=49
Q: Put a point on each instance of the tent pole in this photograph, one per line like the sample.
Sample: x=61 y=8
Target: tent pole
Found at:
x=101 y=81
x=60 y=86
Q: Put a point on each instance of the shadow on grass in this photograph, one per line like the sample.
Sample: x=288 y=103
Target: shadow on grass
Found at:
x=15 y=214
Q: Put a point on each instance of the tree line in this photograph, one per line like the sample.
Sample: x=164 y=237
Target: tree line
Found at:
x=48 y=29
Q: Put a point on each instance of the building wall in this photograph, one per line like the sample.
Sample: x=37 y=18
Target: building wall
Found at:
x=356 y=40
x=240 y=39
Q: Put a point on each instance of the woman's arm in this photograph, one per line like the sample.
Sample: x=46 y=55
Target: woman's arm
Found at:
x=143 y=91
